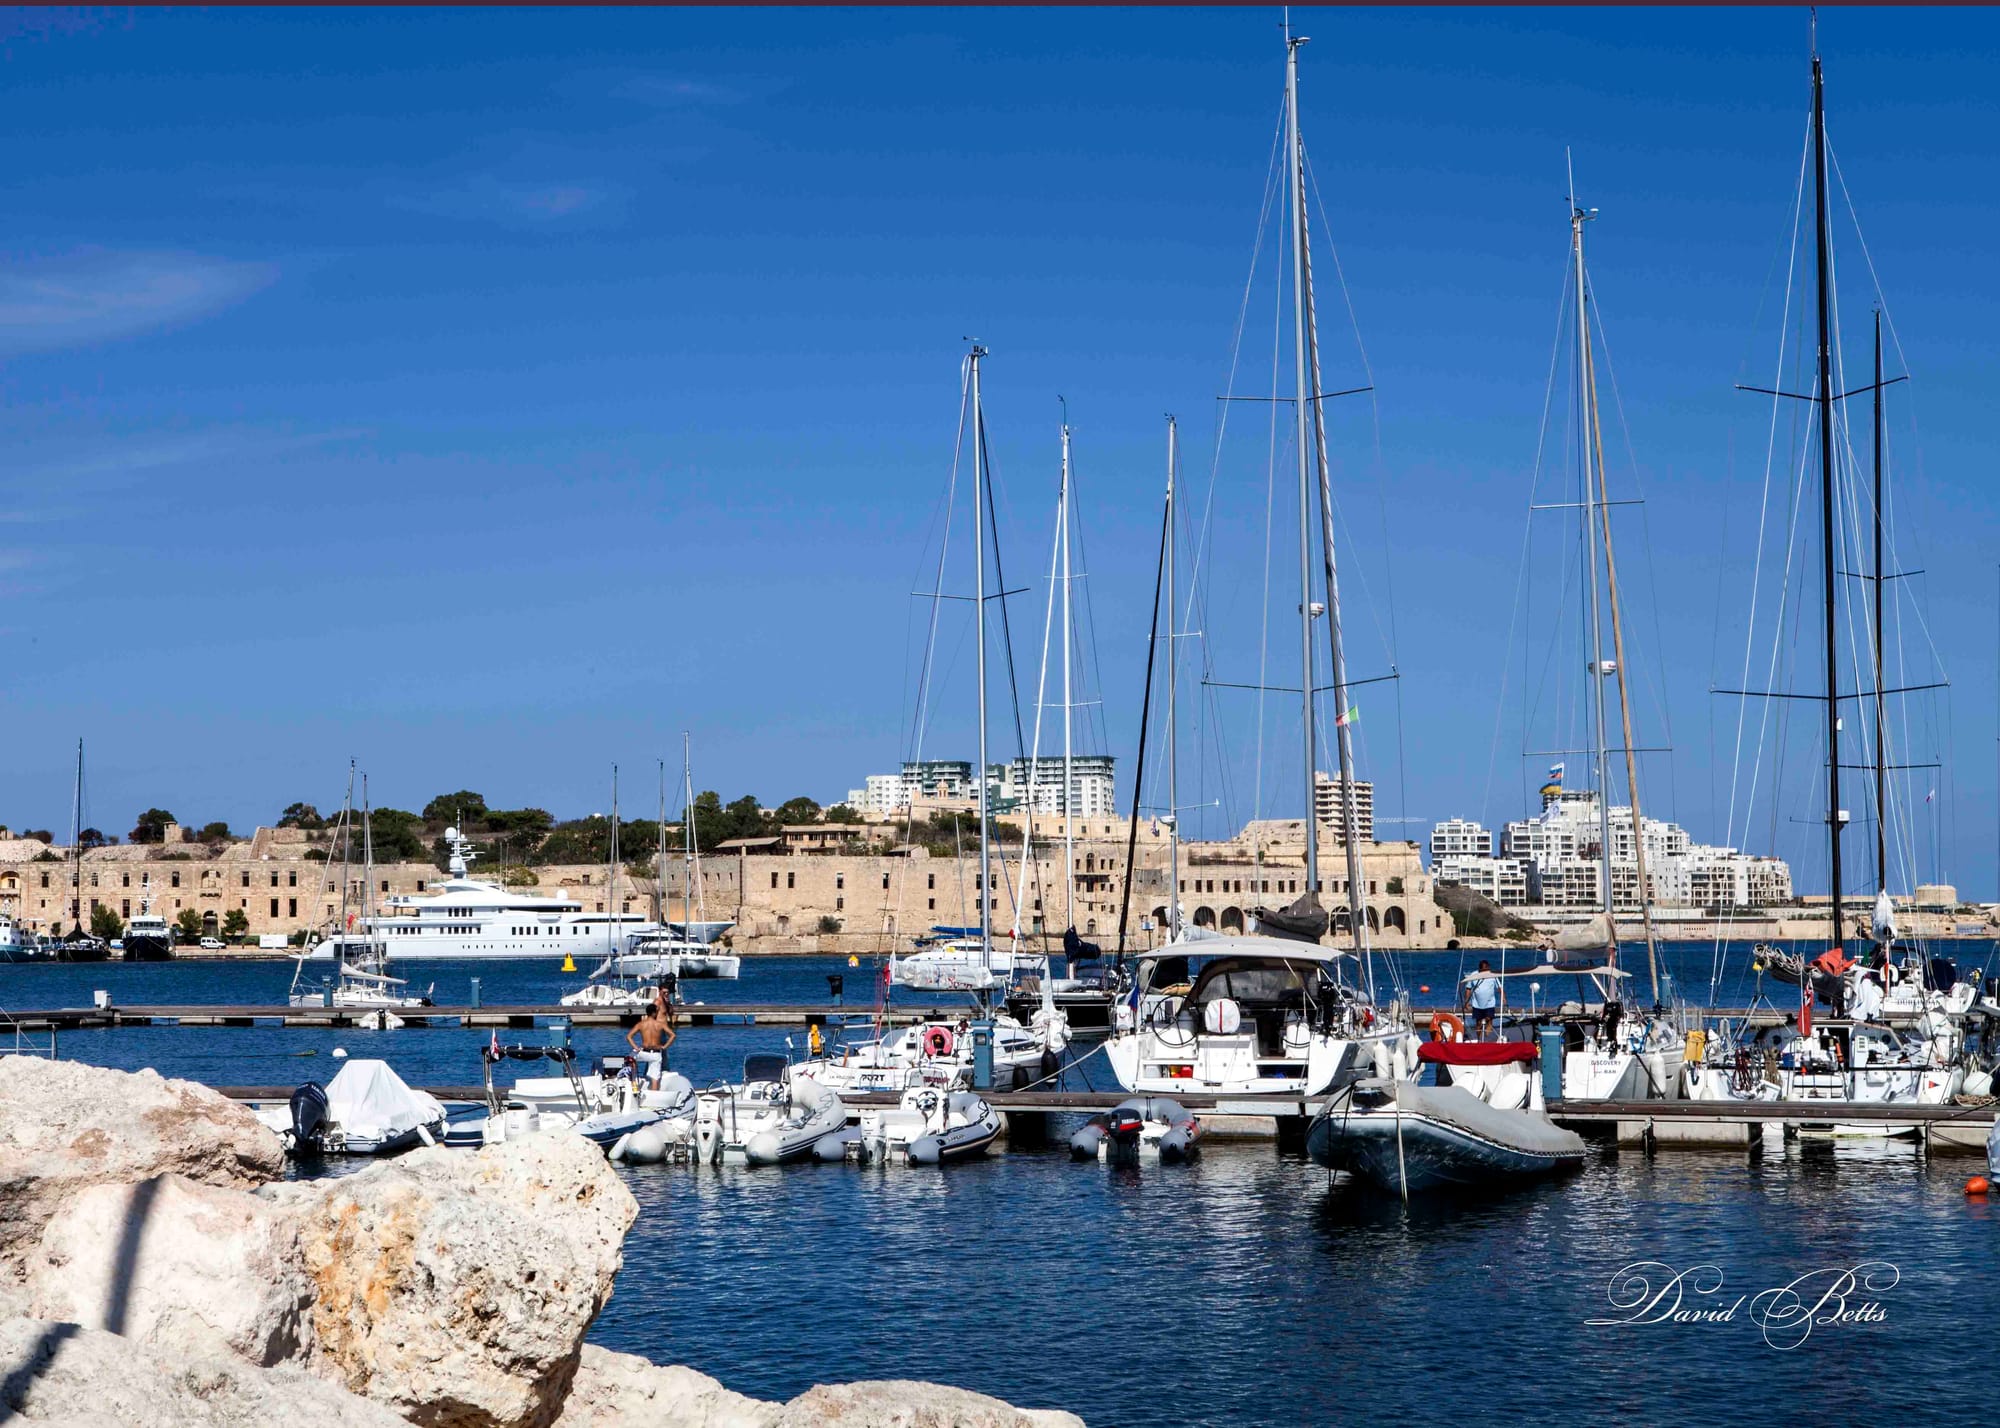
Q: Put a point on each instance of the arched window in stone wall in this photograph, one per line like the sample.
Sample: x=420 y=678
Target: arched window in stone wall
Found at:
x=1232 y=919
x=1204 y=917
x=1394 y=920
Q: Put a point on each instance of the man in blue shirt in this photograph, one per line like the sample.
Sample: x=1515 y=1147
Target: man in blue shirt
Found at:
x=1482 y=995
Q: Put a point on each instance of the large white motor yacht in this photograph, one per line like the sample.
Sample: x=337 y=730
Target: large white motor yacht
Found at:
x=471 y=919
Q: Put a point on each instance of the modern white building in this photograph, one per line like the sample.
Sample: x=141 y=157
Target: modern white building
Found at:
x=1092 y=789
x=1507 y=881
x=1328 y=809
x=1459 y=838
x=1562 y=852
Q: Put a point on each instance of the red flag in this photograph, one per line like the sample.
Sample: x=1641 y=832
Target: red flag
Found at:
x=1805 y=1012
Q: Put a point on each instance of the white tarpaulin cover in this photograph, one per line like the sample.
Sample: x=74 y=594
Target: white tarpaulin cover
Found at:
x=367 y=1098
x=1592 y=936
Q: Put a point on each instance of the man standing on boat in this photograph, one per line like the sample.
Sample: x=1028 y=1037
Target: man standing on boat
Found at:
x=651 y=1039
x=1481 y=996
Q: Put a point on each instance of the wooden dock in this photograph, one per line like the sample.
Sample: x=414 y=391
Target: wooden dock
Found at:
x=1663 y=1125
x=500 y=1017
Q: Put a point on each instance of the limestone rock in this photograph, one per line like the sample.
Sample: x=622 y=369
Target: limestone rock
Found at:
x=901 y=1403
x=179 y=1265
x=84 y=1378
x=456 y=1288
x=612 y=1390
x=65 y=1126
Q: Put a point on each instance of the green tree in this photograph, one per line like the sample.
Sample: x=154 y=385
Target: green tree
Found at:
x=152 y=826
x=234 y=923
x=462 y=808
x=844 y=813
x=106 y=923
x=796 y=810
x=90 y=838
x=521 y=825
x=398 y=837
x=40 y=834
x=216 y=832
x=301 y=815
x=188 y=924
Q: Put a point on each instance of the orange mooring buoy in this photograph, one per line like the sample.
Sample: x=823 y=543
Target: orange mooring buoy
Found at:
x=1423 y=989
x=1978 y=1185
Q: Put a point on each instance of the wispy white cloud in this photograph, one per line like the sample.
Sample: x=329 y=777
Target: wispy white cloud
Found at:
x=490 y=198
x=671 y=91
x=108 y=463
x=99 y=295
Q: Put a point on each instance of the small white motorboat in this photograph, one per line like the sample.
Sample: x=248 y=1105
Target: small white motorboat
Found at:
x=929 y=1127
x=366 y=1109
x=772 y=1117
x=622 y=1105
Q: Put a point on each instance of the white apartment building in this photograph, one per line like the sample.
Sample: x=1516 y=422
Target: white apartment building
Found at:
x=1092 y=789
x=1459 y=838
x=1562 y=853
x=1328 y=810
x=1507 y=881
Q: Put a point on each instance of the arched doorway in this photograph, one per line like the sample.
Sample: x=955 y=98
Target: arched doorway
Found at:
x=210 y=927
x=1394 y=920
x=1232 y=919
x=1374 y=922
x=1204 y=917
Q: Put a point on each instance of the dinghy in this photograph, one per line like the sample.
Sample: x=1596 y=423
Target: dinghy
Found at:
x=772 y=1117
x=929 y=1127
x=1140 y=1127
x=1406 y=1137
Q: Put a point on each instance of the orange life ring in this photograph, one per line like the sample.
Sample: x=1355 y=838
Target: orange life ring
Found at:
x=938 y=1041
x=1444 y=1022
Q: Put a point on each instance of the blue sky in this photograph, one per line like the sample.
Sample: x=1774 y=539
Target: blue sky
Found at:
x=490 y=395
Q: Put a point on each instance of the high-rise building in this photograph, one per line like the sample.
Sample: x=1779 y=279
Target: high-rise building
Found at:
x=1327 y=807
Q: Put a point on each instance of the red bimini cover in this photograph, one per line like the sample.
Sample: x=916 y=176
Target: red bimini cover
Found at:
x=1476 y=1053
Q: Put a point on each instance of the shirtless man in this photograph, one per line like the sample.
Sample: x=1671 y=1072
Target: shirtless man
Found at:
x=651 y=1038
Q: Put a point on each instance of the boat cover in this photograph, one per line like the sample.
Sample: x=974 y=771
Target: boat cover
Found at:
x=1476 y=1053
x=366 y=1096
x=1304 y=921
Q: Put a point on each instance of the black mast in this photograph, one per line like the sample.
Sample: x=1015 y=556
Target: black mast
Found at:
x=1823 y=257
x=1881 y=723
x=1145 y=714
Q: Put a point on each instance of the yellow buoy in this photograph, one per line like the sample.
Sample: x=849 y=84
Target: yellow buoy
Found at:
x=854 y=961
x=569 y=963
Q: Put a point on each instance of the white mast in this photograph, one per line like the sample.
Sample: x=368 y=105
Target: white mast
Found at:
x=1173 y=689
x=1304 y=404
x=694 y=906
x=611 y=871
x=378 y=951
x=985 y=890
x=1598 y=669
x=1069 y=785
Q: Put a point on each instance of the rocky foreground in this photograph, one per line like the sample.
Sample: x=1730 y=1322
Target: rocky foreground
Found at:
x=156 y=1272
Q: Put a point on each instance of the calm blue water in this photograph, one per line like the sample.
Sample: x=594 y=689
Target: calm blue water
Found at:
x=1244 y=1289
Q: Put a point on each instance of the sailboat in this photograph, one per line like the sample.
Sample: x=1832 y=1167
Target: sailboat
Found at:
x=629 y=978
x=941 y=1052
x=1841 y=1060
x=80 y=945
x=1268 y=1015
x=361 y=978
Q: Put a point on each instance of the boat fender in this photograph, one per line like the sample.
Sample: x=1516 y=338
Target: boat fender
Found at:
x=1051 y=1064
x=1697 y=1047
x=1447 y=1027
x=938 y=1041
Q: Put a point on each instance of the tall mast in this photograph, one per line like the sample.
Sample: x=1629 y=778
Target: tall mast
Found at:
x=346 y=850
x=979 y=604
x=1296 y=165
x=611 y=871
x=1343 y=733
x=378 y=951
x=1173 y=695
x=660 y=858
x=1881 y=722
x=694 y=906
x=1069 y=785
x=1823 y=258
x=1600 y=758
x=1593 y=438
x=76 y=845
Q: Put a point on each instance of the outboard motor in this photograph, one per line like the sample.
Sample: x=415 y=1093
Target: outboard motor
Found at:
x=309 y=1117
